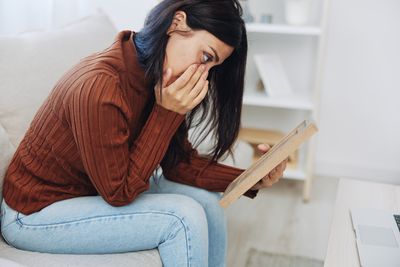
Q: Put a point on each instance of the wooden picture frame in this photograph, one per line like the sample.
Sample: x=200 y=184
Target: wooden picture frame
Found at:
x=267 y=162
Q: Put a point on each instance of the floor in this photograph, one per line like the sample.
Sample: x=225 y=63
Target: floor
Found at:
x=278 y=221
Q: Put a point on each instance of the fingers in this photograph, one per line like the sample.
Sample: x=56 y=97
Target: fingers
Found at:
x=266 y=181
x=263 y=147
x=256 y=186
x=273 y=176
x=185 y=77
x=285 y=164
x=166 y=77
x=277 y=172
x=281 y=167
x=199 y=86
x=195 y=78
x=201 y=95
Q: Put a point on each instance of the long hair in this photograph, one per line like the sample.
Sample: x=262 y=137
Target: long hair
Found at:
x=223 y=103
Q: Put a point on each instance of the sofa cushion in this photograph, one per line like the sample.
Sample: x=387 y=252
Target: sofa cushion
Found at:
x=6 y=152
x=32 y=62
x=8 y=263
x=146 y=258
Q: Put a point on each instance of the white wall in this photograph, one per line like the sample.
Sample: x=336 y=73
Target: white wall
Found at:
x=25 y=15
x=360 y=101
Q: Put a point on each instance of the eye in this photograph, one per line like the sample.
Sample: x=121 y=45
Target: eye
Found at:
x=207 y=58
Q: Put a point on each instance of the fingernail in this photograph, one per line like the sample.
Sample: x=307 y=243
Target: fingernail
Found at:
x=202 y=67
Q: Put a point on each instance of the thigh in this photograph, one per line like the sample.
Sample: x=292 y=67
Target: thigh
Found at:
x=208 y=199
x=87 y=225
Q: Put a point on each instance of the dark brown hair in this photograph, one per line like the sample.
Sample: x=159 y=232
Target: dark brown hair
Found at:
x=222 y=18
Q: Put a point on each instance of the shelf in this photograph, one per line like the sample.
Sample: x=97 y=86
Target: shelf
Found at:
x=283 y=29
x=286 y=102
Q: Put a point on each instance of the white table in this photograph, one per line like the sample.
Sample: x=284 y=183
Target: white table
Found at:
x=342 y=250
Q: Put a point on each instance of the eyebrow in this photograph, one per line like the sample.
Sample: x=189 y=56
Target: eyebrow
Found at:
x=215 y=52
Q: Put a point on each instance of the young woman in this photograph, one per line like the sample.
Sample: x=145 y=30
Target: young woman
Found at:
x=80 y=180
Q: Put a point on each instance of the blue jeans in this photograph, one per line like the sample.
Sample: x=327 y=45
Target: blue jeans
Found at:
x=185 y=223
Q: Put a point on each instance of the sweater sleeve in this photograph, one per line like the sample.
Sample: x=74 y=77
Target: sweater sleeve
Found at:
x=98 y=120
x=202 y=173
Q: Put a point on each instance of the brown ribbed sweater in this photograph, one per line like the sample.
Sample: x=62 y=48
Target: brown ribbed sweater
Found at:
x=88 y=138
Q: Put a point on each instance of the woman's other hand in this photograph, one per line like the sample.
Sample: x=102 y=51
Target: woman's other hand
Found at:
x=186 y=92
x=274 y=175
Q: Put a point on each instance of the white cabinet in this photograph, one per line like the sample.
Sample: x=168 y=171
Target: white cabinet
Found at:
x=300 y=49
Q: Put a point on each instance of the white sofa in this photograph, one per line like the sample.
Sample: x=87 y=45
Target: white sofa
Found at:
x=30 y=65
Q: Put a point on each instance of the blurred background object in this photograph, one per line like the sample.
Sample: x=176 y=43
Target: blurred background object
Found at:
x=247 y=15
x=297 y=12
x=24 y=15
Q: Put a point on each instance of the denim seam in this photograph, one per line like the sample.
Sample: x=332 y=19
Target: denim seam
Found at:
x=187 y=241
x=21 y=223
x=185 y=227
x=24 y=225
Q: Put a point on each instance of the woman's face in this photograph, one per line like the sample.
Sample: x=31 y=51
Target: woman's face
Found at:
x=186 y=47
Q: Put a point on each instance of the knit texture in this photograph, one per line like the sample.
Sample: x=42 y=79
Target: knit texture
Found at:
x=90 y=137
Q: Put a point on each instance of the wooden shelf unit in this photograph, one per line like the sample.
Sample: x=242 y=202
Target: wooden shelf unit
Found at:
x=295 y=43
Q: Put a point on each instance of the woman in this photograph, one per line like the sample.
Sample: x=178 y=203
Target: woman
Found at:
x=79 y=181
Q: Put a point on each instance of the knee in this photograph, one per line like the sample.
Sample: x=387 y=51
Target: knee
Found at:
x=188 y=211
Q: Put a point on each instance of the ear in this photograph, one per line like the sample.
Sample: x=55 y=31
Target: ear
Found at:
x=178 y=23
